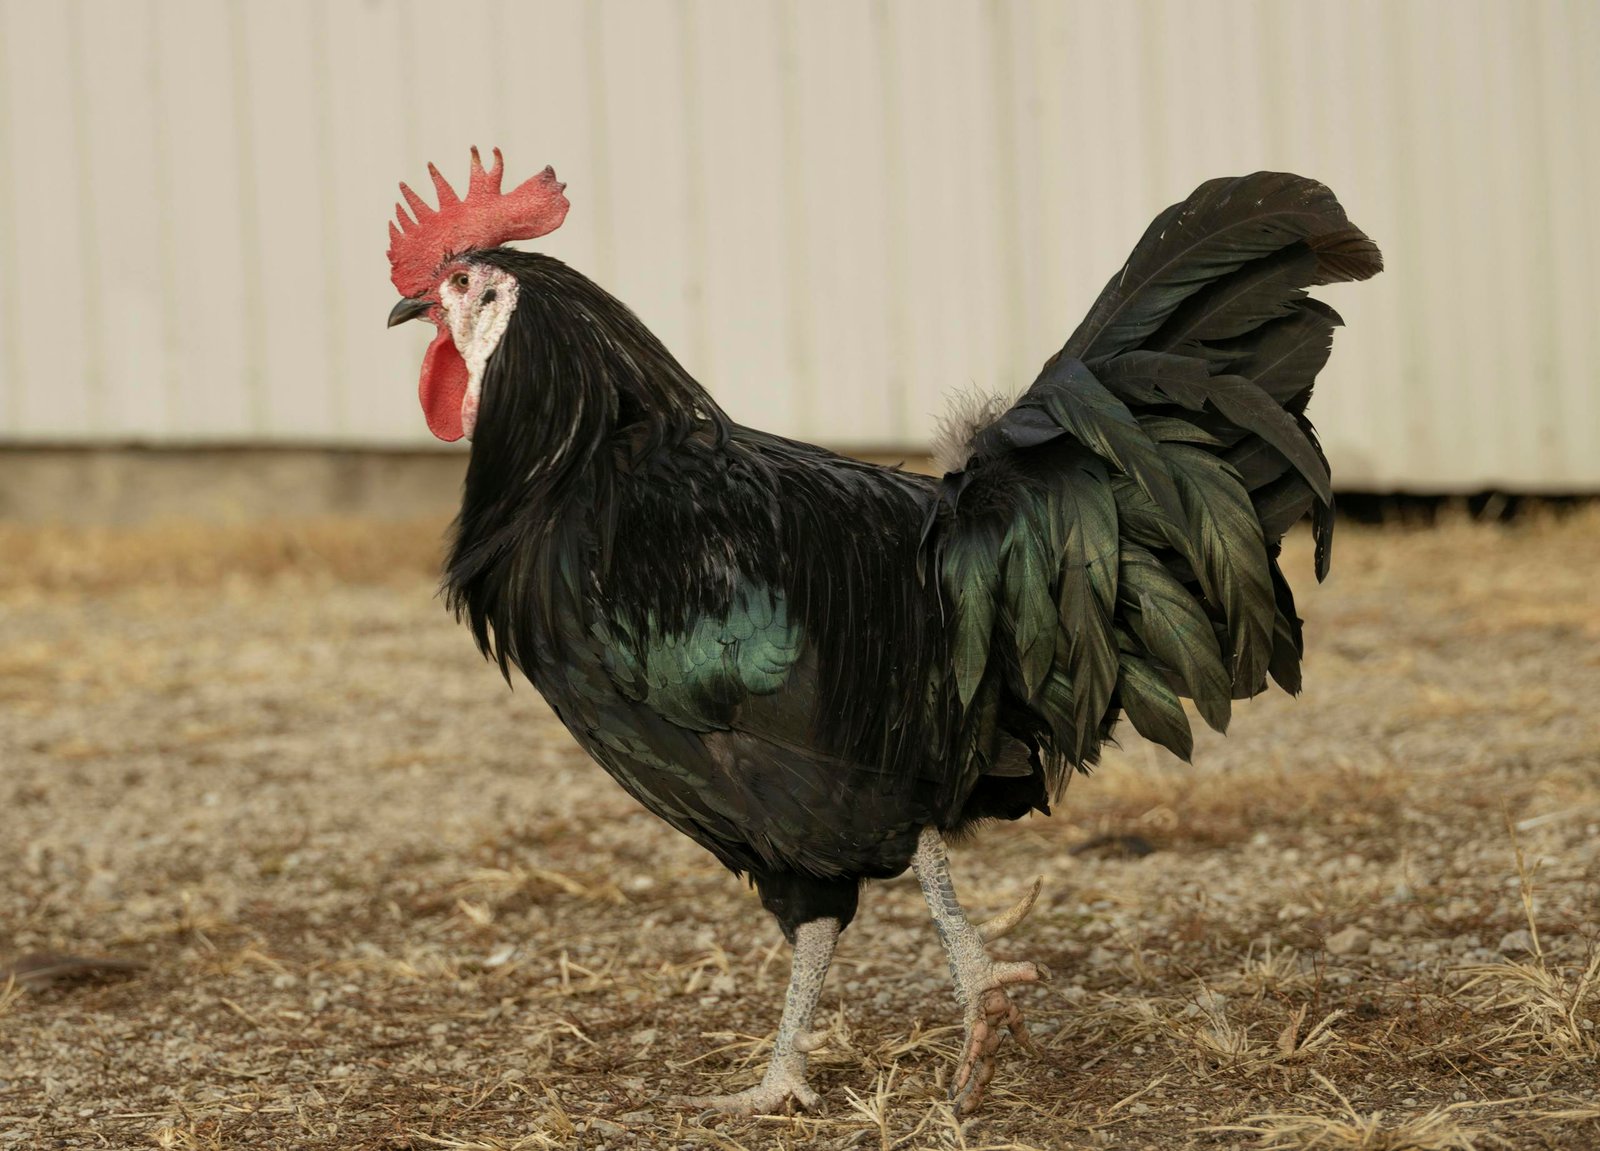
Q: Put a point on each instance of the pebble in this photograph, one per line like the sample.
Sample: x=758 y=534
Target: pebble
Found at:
x=1515 y=942
x=1350 y=941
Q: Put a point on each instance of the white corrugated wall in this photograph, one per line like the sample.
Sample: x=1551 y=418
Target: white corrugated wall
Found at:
x=835 y=211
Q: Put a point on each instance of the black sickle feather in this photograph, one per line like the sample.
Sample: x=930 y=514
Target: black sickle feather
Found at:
x=1222 y=226
x=1238 y=303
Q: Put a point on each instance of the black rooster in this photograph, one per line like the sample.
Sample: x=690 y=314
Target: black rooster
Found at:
x=819 y=669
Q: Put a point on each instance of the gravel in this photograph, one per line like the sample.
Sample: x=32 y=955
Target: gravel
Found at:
x=376 y=900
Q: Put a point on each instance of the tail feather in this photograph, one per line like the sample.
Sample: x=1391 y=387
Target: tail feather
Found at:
x=1281 y=504
x=1084 y=408
x=1153 y=707
x=1227 y=537
x=1085 y=528
x=1173 y=629
x=1195 y=245
x=1111 y=542
x=1288 y=642
x=1240 y=302
x=1257 y=462
x=1284 y=356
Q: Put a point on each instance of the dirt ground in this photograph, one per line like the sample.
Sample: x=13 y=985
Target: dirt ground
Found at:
x=286 y=866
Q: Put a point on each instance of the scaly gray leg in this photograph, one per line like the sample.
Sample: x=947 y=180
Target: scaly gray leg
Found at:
x=785 y=1081
x=980 y=982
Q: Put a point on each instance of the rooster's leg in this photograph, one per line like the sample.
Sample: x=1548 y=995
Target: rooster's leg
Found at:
x=784 y=1085
x=980 y=981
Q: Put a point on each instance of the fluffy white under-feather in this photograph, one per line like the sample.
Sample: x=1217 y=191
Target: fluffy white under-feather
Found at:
x=967 y=414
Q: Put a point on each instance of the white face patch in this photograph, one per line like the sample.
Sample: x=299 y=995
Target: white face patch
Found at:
x=477 y=316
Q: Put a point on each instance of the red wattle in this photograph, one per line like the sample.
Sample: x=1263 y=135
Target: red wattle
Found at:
x=443 y=387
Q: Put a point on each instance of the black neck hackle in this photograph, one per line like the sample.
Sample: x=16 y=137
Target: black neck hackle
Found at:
x=576 y=374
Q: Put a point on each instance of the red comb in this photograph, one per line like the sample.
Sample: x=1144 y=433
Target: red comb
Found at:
x=487 y=218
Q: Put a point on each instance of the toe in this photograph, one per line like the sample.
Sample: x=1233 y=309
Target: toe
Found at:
x=1004 y=923
x=971 y=1099
x=808 y=1041
x=987 y=1025
x=976 y=1069
x=808 y=1099
x=762 y=1099
x=1004 y=974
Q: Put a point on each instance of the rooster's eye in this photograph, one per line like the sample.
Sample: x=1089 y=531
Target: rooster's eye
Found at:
x=459 y=281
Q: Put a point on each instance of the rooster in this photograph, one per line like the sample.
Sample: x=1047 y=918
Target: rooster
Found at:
x=822 y=670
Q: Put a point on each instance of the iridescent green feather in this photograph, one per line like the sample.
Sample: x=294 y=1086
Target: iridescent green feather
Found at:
x=970 y=571
x=1153 y=706
x=1231 y=552
x=696 y=678
x=1101 y=422
x=1175 y=629
x=1086 y=650
x=1029 y=560
x=1059 y=707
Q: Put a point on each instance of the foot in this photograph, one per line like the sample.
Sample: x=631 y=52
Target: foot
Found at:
x=990 y=1014
x=980 y=982
x=784 y=1086
x=782 y=1091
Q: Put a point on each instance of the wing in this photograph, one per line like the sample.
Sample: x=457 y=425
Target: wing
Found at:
x=749 y=651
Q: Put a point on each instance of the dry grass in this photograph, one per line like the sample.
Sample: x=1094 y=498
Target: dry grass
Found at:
x=384 y=904
x=1547 y=1007
x=100 y=559
x=1346 y=1129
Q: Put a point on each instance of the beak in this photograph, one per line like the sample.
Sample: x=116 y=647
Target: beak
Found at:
x=409 y=309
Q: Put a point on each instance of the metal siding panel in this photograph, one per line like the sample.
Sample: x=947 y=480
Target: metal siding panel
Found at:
x=49 y=295
x=737 y=97
x=120 y=127
x=840 y=267
x=1321 y=74
x=213 y=389
x=645 y=165
x=1019 y=79
x=836 y=213
x=1570 y=39
x=936 y=250
x=1438 y=259
x=11 y=334
x=1354 y=407
x=291 y=297
x=1520 y=207
x=1539 y=84
x=552 y=117
x=1005 y=125
x=975 y=212
x=373 y=371
x=1583 y=228
x=947 y=97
